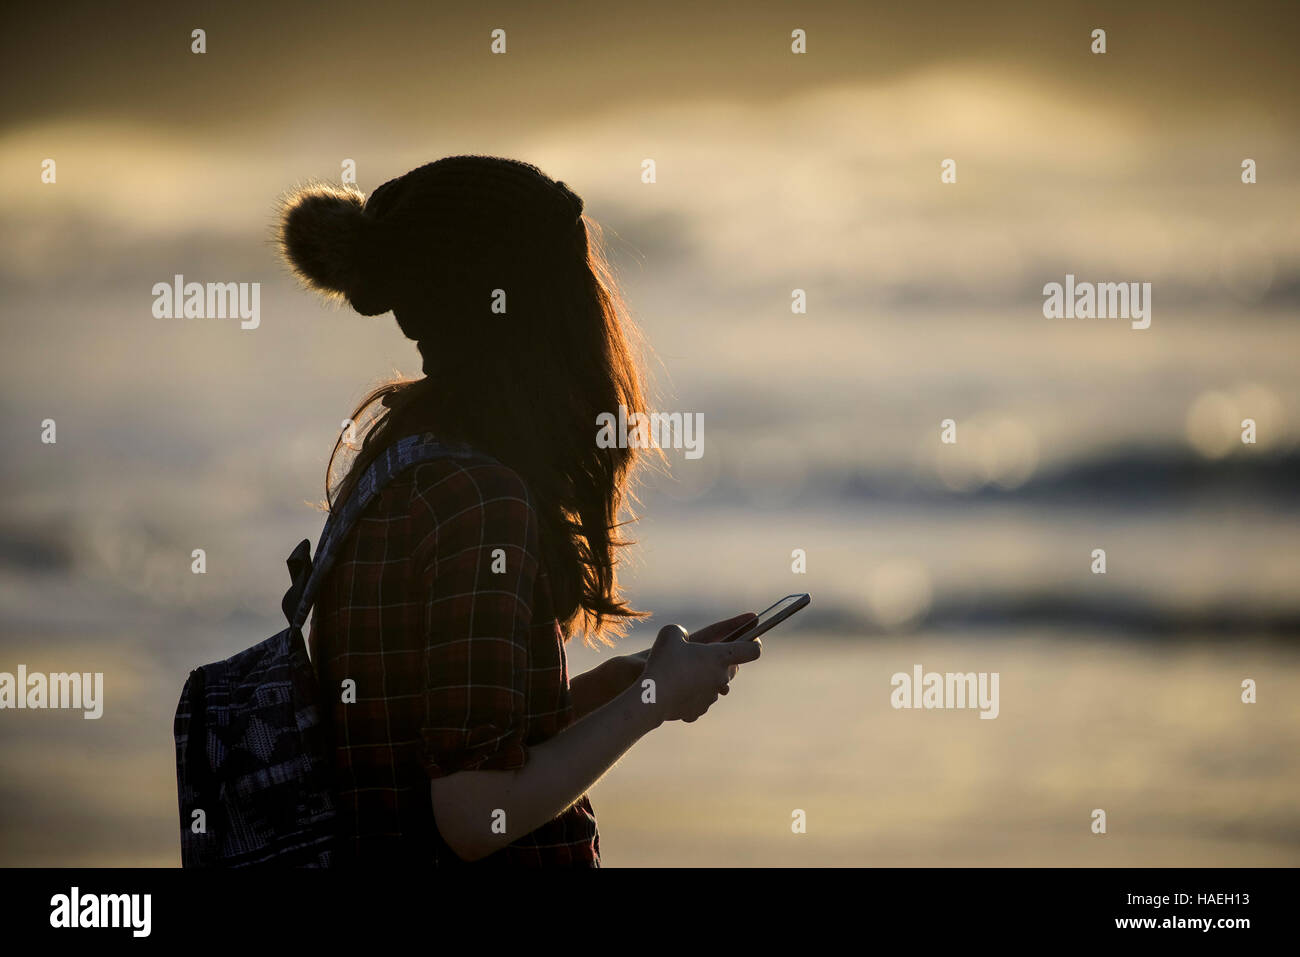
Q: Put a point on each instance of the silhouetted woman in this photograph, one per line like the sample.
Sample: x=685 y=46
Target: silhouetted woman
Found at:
x=451 y=601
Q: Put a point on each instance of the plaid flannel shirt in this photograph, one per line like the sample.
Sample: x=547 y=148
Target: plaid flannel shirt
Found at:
x=437 y=608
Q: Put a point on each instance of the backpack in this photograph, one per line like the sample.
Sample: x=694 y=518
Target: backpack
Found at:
x=253 y=747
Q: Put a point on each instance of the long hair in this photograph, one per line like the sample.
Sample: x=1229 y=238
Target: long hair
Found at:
x=525 y=389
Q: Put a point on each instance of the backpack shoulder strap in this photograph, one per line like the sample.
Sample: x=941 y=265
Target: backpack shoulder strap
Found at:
x=309 y=575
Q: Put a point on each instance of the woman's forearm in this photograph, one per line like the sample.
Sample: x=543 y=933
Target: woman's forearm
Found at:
x=559 y=771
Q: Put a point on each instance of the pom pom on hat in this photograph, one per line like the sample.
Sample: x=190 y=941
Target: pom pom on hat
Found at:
x=322 y=237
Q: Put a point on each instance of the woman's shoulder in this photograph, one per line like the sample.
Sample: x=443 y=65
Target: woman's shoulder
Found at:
x=463 y=479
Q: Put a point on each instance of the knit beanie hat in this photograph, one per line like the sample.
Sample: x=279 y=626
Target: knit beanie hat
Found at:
x=435 y=245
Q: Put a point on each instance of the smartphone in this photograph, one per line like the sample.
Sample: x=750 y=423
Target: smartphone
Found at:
x=769 y=619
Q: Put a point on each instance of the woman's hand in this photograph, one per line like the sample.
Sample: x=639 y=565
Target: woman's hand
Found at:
x=631 y=666
x=721 y=631
x=688 y=676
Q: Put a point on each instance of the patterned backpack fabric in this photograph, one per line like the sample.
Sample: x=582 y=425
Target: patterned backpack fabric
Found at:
x=253 y=749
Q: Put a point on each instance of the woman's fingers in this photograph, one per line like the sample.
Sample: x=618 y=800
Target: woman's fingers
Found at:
x=739 y=652
x=732 y=656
